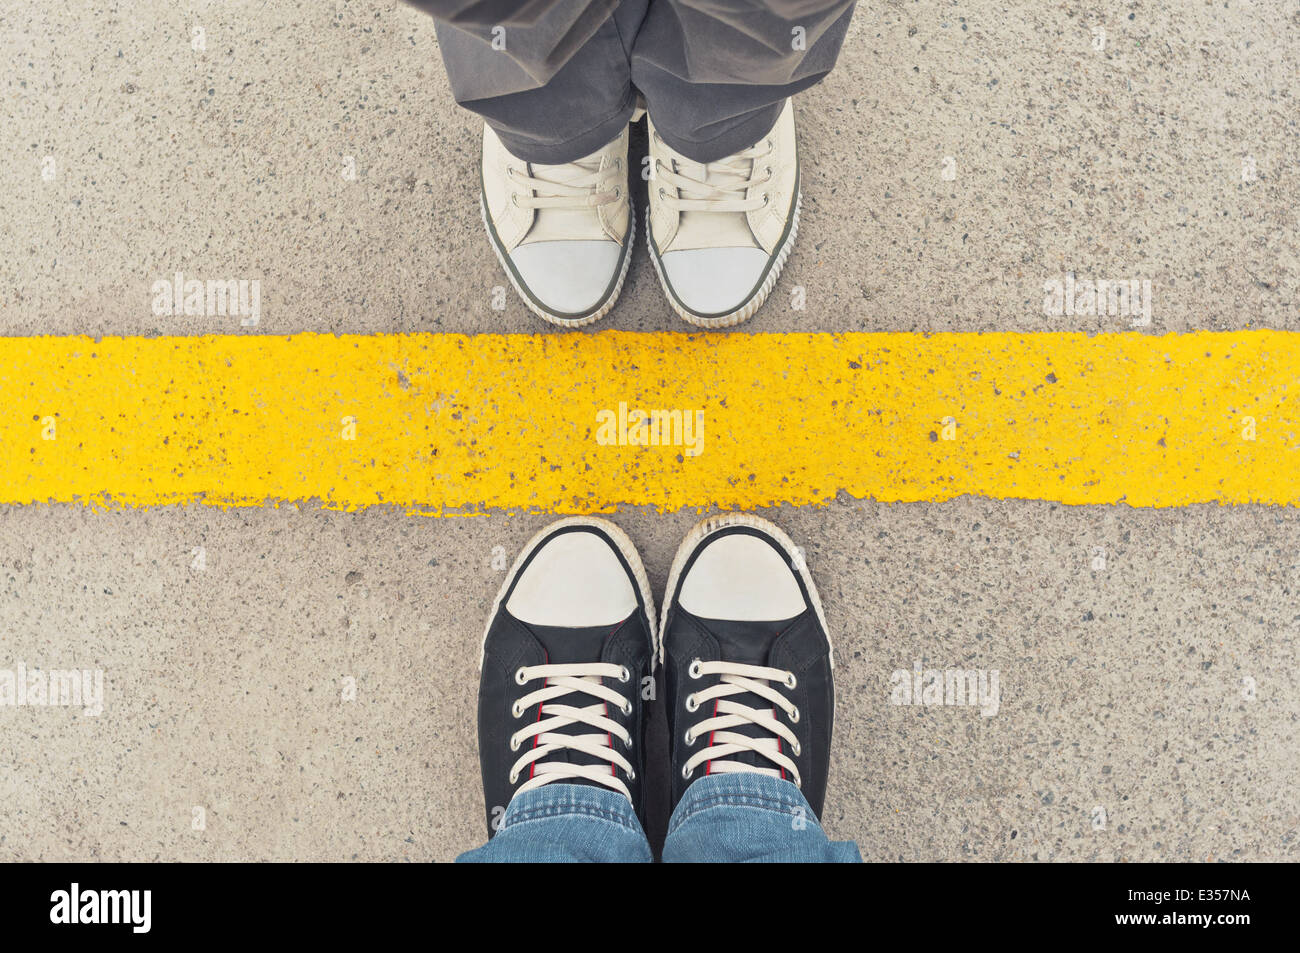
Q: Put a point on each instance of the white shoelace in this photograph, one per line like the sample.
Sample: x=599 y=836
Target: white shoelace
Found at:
x=716 y=186
x=579 y=188
x=559 y=681
x=738 y=679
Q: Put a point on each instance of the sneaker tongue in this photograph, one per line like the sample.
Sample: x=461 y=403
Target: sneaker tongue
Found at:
x=557 y=224
x=566 y=173
x=724 y=177
x=747 y=643
x=565 y=646
x=712 y=229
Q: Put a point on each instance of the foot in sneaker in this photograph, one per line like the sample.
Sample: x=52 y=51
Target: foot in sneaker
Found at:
x=563 y=233
x=748 y=659
x=720 y=232
x=567 y=645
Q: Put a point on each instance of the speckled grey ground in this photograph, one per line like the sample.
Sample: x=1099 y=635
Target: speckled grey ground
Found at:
x=1149 y=706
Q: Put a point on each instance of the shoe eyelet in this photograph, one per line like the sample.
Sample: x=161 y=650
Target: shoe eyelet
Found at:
x=689 y=738
x=768 y=170
x=514 y=743
x=790 y=680
x=691 y=704
x=694 y=670
x=516 y=710
x=766 y=198
x=686 y=773
x=797 y=749
x=514 y=199
x=519 y=676
x=627 y=709
x=661 y=193
x=618 y=193
x=510 y=170
x=627 y=742
x=631 y=775
x=794 y=717
x=514 y=777
x=624 y=675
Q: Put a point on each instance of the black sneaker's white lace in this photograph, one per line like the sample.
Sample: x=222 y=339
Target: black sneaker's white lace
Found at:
x=739 y=679
x=559 y=681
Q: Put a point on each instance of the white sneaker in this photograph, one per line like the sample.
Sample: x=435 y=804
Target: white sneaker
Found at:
x=719 y=233
x=563 y=233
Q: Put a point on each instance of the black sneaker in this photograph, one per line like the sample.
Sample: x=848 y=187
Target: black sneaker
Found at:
x=568 y=643
x=748 y=659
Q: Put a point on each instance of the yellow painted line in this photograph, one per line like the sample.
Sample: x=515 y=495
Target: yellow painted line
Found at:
x=442 y=423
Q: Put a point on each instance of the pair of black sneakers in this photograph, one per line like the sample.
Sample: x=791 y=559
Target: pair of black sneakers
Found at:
x=572 y=643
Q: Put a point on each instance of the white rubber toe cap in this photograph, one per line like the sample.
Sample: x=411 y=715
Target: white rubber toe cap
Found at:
x=568 y=277
x=741 y=578
x=573 y=580
x=714 y=280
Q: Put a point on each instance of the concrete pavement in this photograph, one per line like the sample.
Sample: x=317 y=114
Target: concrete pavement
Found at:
x=960 y=158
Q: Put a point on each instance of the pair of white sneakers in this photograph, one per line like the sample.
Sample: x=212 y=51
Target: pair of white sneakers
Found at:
x=718 y=232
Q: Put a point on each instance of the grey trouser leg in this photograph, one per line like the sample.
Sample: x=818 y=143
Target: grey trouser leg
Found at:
x=563 y=79
x=557 y=86
x=715 y=73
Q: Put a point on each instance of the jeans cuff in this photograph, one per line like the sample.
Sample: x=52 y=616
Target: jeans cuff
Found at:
x=570 y=800
x=742 y=789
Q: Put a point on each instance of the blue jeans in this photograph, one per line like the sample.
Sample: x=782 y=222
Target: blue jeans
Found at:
x=722 y=818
